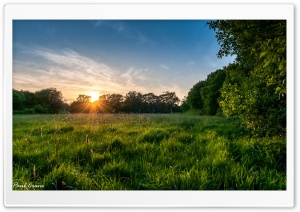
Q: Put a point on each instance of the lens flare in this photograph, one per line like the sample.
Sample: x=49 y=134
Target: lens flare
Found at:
x=94 y=96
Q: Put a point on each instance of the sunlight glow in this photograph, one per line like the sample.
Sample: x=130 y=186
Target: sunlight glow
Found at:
x=94 y=96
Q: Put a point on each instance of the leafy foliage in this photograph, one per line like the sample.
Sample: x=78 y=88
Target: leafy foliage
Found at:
x=132 y=102
x=47 y=100
x=255 y=85
x=194 y=99
x=50 y=100
x=211 y=92
x=18 y=100
x=203 y=96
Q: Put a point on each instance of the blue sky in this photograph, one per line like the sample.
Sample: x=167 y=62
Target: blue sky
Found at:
x=113 y=56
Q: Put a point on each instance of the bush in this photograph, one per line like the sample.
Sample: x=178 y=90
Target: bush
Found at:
x=15 y=112
x=29 y=111
x=40 y=109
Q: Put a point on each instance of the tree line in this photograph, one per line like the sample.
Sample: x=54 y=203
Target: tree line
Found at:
x=132 y=102
x=253 y=87
x=50 y=100
x=203 y=96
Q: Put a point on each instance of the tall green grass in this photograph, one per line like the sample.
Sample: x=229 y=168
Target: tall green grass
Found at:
x=143 y=152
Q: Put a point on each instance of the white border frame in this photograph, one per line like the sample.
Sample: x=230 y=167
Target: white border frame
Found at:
x=146 y=198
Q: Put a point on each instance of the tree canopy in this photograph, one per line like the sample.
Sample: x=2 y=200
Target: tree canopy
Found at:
x=255 y=84
x=194 y=99
x=132 y=102
x=204 y=95
x=210 y=93
x=48 y=100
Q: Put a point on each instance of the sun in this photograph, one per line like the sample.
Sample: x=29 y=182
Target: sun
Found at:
x=94 y=96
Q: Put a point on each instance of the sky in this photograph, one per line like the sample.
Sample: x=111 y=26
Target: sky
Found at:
x=113 y=56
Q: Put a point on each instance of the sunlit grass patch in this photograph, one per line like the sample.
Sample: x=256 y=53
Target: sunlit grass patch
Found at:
x=144 y=152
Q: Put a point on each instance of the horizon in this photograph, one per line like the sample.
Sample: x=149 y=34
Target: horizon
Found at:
x=113 y=56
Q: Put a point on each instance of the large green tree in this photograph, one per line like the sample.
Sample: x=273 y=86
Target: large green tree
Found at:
x=81 y=105
x=48 y=100
x=210 y=93
x=168 y=102
x=51 y=99
x=150 y=102
x=115 y=102
x=194 y=99
x=133 y=102
x=204 y=95
x=255 y=85
x=19 y=100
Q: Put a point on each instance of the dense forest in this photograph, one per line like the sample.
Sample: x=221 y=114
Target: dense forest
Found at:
x=253 y=87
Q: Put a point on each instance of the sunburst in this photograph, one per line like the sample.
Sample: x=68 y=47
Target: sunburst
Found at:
x=94 y=96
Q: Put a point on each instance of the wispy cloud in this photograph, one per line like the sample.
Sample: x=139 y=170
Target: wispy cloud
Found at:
x=142 y=38
x=172 y=87
x=71 y=61
x=116 y=25
x=98 y=23
x=126 y=30
x=67 y=71
x=133 y=77
x=199 y=47
x=74 y=74
x=190 y=63
x=163 y=66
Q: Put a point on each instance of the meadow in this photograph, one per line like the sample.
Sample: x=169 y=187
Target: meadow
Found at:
x=143 y=152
